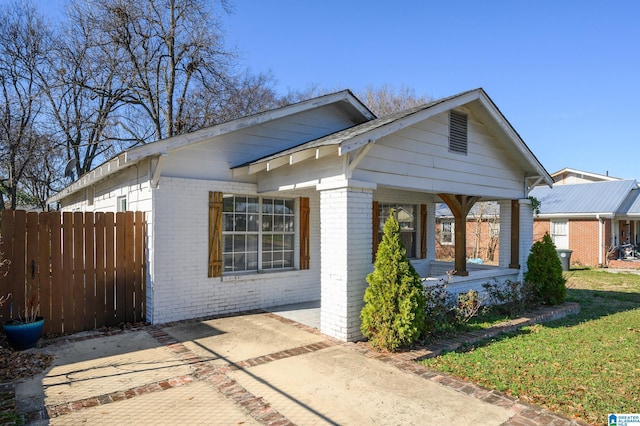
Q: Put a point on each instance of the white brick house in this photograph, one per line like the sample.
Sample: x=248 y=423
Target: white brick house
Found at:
x=286 y=206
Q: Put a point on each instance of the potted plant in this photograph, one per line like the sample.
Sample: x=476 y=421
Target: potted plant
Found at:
x=24 y=332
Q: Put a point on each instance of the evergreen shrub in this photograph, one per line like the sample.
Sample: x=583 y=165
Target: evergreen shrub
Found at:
x=544 y=274
x=393 y=314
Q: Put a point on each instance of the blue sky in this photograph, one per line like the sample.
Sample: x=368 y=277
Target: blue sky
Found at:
x=564 y=73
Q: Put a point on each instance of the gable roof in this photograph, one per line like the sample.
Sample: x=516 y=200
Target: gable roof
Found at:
x=584 y=199
x=351 y=104
x=561 y=174
x=631 y=206
x=363 y=134
x=241 y=123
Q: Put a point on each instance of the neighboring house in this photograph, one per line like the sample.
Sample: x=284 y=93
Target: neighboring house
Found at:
x=588 y=218
x=483 y=233
x=288 y=205
x=568 y=176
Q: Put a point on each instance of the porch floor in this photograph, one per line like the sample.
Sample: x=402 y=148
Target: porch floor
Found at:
x=307 y=313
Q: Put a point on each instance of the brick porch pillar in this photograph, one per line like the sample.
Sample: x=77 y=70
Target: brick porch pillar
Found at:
x=345 y=250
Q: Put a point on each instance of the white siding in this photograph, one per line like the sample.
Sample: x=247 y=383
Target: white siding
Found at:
x=418 y=158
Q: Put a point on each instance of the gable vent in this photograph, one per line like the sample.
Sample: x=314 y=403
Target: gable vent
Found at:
x=457 y=132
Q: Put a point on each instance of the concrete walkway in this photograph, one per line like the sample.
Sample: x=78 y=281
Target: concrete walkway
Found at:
x=258 y=368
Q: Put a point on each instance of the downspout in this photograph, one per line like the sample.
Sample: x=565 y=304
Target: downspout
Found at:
x=600 y=225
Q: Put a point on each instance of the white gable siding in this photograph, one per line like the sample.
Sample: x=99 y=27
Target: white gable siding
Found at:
x=213 y=159
x=418 y=157
x=180 y=287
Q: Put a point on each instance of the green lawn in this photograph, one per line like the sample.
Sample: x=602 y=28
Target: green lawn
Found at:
x=584 y=366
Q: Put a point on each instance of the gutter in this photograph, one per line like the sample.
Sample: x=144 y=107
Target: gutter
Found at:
x=99 y=173
x=574 y=215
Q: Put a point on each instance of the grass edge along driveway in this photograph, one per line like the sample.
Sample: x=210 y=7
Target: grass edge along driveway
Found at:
x=583 y=366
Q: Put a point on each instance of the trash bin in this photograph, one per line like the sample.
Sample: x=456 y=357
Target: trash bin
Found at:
x=565 y=258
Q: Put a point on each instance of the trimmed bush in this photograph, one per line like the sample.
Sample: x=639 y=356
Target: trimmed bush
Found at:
x=544 y=273
x=393 y=314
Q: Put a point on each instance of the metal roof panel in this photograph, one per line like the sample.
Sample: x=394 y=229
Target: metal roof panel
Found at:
x=581 y=198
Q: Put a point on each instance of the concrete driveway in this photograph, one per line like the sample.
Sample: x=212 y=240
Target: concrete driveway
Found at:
x=251 y=369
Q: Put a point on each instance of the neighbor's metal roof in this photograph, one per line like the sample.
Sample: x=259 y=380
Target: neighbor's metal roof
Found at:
x=583 y=198
x=631 y=206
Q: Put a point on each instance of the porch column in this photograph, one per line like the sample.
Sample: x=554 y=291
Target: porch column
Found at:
x=504 y=256
x=460 y=206
x=515 y=235
x=345 y=250
x=431 y=231
x=526 y=234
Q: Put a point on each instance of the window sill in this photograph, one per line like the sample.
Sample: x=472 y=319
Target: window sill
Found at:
x=258 y=275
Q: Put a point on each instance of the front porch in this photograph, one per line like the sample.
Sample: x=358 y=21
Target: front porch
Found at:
x=308 y=313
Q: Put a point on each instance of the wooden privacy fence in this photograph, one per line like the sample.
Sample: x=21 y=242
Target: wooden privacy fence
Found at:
x=86 y=270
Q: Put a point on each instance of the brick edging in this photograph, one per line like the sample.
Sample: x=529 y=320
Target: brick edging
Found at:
x=524 y=413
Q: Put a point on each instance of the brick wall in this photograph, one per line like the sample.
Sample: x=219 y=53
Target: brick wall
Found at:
x=179 y=287
x=583 y=239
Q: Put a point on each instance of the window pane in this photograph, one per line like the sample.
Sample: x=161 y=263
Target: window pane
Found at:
x=278 y=206
x=238 y=243
x=252 y=243
x=253 y=223
x=252 y=205
x=227 y=261
x=227 y=203
x=288 y=259
x=267 y=223
x=252 y=261
x=227 y=220
x=228 y=244
x=239 y=262
x=409 y=243
x=240 y=223
x=278 y=223
x=266 y=243
x=288 y=242
x=267 y=205
x=288 y=223
x=277 y=260
x=288 y=204
x=241 y=204
x=267 y=262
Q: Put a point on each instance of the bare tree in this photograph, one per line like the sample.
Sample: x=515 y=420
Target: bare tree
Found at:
x=247 y=94
x=86 y=93
x=23 y=46
x=42 y=177
x=485 y=237
x=168 y=51
x=386 y=99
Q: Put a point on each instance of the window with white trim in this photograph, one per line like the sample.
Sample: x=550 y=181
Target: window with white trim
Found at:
x=560 y=233
x=258 y=233
x=406 y=214
x=122 y=203
x=447 y=232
